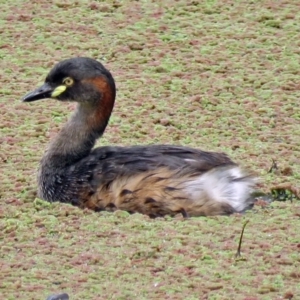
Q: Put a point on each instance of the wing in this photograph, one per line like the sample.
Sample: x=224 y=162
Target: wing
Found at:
x=143 y=158
x=107 y=163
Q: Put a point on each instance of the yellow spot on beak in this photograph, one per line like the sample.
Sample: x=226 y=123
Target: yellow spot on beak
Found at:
x=59 y=90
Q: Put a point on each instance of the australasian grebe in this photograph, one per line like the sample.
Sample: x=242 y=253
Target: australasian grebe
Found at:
x=156 y=180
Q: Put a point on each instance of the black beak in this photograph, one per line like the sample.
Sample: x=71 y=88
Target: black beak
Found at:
x=40 y=93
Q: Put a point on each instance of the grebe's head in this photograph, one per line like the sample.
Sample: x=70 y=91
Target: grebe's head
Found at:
x=80 y=79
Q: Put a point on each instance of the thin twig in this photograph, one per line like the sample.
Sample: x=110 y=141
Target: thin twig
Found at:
x=274 y=166
x=238 y=253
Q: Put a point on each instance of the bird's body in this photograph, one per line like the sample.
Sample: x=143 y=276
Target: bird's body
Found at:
x=156 y=180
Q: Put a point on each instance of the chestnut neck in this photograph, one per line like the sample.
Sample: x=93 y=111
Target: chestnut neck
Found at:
x=78 y=136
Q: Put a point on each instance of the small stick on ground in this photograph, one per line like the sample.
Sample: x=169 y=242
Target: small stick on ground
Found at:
x=238 y=253
x=274 y=166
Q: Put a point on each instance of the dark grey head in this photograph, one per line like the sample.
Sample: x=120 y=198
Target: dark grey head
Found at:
x=80 y=79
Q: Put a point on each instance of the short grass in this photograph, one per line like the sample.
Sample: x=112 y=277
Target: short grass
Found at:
x=218 y=75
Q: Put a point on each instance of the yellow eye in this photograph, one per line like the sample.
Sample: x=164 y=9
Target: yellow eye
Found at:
x=68 y=81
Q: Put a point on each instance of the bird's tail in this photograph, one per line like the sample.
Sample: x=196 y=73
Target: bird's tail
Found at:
x=223 y=190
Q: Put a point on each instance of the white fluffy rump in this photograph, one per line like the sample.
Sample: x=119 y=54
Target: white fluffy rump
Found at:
x=228 y=184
